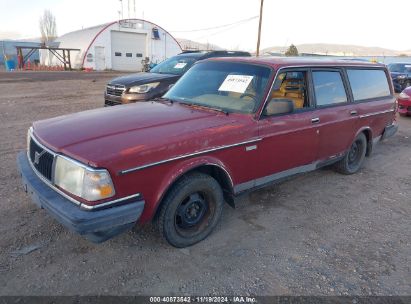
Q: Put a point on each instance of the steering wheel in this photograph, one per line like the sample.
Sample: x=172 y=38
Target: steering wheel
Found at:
x=249 y=95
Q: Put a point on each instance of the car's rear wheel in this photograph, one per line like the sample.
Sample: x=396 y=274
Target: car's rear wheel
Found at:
x=354 y=158
x=191 y=210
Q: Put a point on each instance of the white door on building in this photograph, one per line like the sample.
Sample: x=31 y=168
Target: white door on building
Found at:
x=100 y=58
x=127 y=50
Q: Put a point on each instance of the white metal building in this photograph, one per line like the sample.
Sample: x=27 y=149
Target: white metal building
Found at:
x=119 y=45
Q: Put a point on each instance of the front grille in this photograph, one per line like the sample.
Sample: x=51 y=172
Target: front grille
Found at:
x=115 y=90
x=109 y=103
x=41 y=159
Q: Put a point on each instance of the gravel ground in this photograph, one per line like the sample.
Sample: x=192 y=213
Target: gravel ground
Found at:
x=317 y=234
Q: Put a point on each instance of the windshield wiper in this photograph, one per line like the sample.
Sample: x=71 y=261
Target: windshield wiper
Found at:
x=204 y=107
x=163 y=99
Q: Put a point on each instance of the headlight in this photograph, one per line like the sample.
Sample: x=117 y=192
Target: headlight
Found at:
x=92 y=185
x=404 y=96
x=401 y=76
x=144 y=88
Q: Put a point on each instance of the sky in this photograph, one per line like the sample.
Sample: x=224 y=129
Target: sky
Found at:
x=358 y=22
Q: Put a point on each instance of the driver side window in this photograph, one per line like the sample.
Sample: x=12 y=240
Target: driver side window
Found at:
x=289 y=93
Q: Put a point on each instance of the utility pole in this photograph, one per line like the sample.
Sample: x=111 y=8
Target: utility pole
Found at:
x=259 y=28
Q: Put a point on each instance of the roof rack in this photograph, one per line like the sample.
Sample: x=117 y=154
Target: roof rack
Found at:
x=214 y=51
x=191 y=51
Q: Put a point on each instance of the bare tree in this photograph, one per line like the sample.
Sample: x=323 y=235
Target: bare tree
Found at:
x=48 y=27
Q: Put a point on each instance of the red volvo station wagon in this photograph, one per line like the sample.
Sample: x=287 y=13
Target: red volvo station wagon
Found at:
x=229 y=125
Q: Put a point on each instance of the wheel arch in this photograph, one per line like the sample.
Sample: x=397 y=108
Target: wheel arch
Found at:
x=369 y=135
x=210 y=167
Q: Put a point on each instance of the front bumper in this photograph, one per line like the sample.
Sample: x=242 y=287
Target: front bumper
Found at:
x=404 y=107
x=112 y=100
x=97 y=226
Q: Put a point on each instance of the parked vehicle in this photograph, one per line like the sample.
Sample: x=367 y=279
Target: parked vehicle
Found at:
x=401 y=75
x=404 y=102
x=147 y=86
x=227 y=126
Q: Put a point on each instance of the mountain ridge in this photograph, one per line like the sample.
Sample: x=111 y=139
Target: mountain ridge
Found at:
x=338 y=50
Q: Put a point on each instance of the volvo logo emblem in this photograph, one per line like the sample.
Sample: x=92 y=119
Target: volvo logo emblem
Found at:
x=37 y=156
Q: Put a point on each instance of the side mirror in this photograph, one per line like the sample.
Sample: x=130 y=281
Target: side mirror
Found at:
x=279 y=106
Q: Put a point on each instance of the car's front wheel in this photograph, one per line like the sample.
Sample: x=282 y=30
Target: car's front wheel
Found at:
x=191 y=210
x=354 y=158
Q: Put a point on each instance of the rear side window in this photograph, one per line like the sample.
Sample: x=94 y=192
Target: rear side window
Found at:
x=329 y=88
x=367 y=84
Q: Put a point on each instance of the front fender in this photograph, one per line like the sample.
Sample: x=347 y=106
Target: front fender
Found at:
x=181 y=168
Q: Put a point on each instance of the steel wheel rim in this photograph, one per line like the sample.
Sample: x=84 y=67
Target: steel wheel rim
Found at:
x=194 y=214
x=355 y=153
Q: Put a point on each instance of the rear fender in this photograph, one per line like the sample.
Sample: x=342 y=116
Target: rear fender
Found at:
x=369 y=134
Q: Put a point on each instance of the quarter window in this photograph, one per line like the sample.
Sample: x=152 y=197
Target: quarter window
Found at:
x=329 y=88
x=367 y=84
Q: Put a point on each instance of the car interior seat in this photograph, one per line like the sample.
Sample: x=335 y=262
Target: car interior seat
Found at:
x=292 y=89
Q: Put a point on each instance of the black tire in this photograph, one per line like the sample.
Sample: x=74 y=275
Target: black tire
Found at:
x=354 y=158
x=191 y=210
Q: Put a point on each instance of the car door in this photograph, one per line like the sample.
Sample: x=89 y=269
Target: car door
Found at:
x=289 y=141
x=335 y=116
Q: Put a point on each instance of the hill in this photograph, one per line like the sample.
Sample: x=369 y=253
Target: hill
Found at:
x=338 y=50
x=193 y=45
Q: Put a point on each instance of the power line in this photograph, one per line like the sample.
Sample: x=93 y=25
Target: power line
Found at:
x=217 y=27
x=219 y=32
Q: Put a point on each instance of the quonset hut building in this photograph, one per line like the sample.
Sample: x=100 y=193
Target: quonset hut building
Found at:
x=119 y=45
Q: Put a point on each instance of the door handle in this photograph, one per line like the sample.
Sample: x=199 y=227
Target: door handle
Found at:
x=353 y=112
x=315 y=120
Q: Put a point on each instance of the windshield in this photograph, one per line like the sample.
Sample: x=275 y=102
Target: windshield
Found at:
x=229 y=86
x=400 y=68
x=176 y=65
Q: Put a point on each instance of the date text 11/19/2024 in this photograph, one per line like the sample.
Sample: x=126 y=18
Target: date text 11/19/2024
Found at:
x=203 y=299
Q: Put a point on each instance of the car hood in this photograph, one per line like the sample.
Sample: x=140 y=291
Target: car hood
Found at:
x=141 y=78
x=407 y=91
x=136 y=133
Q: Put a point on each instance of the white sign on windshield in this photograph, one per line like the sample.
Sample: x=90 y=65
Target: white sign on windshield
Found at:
x=180 y=65
x=236 y=83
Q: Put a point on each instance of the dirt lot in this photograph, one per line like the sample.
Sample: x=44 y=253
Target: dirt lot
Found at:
x=318 y=234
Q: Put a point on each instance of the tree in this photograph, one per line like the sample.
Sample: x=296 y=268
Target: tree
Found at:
x=48 y=27
x=292 y=51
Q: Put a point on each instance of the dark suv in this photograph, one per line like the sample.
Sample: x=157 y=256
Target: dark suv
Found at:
x=401 y=75
x=146 y=86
